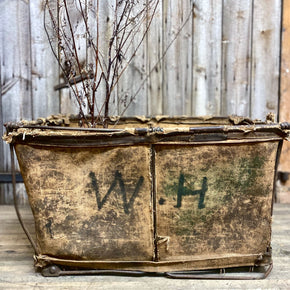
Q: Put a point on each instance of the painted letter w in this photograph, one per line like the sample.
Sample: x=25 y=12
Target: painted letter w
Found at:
x=127 y=205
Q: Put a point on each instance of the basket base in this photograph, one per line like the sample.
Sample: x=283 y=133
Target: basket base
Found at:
x=236 y=273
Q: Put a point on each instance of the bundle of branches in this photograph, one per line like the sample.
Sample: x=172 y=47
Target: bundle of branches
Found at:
x=97 y=71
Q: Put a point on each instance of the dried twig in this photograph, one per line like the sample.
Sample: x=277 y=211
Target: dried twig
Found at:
x=87 y=78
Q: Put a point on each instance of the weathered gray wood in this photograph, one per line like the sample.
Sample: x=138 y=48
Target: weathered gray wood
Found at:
x=265 y=57
x=1 y=109
x=236 y=70
x=16 y=60
x=45 y=100
x=106 y=31
x=177 y=72
x=185 y=41
x=131 y=89
x=207 y=58
x=16 y=99
x=284 y=112
x=99 y=31
x=155 y=64
x=6 y=196
x=69 y=97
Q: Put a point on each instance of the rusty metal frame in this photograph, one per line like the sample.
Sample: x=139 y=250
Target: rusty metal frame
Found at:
x=88 y=137
x=239 y=273
x=272 y=127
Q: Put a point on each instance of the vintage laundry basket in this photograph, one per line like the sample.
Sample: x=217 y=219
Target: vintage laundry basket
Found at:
x=167 y=195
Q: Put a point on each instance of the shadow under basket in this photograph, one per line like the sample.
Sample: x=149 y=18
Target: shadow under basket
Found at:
x=175 y=196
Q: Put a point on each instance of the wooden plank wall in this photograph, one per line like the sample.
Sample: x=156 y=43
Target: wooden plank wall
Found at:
x=28 y=73
x=284 y=114
x=224 y=61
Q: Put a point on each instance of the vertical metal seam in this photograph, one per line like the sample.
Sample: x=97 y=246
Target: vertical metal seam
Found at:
x=153 y=196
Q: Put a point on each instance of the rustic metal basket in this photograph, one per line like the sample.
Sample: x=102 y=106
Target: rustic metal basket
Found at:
x=161 y=195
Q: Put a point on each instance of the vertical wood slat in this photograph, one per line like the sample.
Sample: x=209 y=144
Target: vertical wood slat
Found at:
x=221 y=67
x=16 y=68
x=1 y=89
x=284 y=113
x=154 y=64
x=45 y=99
x=236 y=70
x=16 y=98
x=233 y=95
x=95 y=20
x=69 y=103
x=177 y=72
x=285 y=66
x=131 y=87
x=106 y=32
x=207 y=57
x=265 y=57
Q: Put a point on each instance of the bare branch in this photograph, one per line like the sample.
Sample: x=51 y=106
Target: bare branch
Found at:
x=55 y=27
x=86 y=78
x=159 y=60
x=138 y=46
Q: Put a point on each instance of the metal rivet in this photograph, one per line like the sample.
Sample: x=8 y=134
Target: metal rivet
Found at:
x=52 y=270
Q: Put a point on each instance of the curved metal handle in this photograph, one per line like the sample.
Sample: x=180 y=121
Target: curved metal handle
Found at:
x=33 y=244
